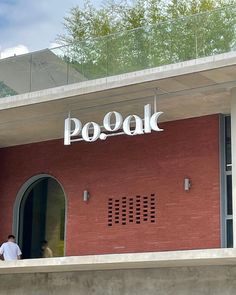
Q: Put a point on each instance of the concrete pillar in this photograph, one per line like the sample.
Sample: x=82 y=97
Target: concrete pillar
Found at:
x=233 y=148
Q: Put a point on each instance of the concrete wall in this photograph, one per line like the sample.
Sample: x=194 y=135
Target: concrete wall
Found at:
x=127 y=167
x=206 y=280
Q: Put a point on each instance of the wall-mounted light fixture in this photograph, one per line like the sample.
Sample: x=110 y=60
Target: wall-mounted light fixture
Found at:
x=187 y=184
x=86 y=196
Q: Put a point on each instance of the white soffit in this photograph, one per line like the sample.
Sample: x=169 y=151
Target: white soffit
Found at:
x=184 y=90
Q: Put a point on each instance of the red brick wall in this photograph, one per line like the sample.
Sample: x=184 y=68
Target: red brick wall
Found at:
x=126 y=166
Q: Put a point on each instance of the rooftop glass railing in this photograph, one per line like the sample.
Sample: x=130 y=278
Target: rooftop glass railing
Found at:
x=169 y=42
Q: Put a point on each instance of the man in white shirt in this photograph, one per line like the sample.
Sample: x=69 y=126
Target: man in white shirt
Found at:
x=10 y=250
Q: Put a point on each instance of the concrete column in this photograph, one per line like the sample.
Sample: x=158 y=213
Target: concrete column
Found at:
x=233 y=148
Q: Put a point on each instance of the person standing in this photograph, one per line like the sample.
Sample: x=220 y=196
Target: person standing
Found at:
x=10 y=250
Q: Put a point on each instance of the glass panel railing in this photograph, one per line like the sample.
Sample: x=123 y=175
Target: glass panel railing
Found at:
x=169 y=42
x=49 y=68
x=216 y=32
x=15 y=75
x=95 y=58
x=75 y=60
x=128 y=52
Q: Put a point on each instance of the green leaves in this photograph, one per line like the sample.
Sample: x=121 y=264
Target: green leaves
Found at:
x=121 y=37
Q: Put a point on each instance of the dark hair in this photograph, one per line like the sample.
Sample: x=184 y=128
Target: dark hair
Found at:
x=11 y=237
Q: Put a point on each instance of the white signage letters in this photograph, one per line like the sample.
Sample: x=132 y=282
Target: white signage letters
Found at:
x=107 y=121
x=91 y=131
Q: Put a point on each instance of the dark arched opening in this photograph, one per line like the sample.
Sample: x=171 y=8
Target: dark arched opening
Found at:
x=42 y=217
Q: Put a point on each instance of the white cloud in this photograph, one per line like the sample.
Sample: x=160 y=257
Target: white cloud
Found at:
x=16 y=50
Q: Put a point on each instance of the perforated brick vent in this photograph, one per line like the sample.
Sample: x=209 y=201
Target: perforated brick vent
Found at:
x=128 y=210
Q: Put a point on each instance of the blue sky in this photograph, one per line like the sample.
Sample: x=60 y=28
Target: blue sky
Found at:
x=29 y=25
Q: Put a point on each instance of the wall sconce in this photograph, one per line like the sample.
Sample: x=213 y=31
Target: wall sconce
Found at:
x=187 y=184
x=86 y=196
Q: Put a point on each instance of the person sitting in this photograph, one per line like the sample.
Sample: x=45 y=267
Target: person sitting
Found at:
x=46 y=251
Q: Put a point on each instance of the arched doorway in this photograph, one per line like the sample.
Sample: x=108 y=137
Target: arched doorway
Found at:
x=41 y=216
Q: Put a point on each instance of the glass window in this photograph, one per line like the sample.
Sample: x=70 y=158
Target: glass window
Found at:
x=229 y=195
x=228 y=210
x=228 y=142
x=229 y=230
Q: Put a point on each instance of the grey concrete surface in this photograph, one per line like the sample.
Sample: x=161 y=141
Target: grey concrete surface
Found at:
x=184 y=90
x=204 y=280
x=210 y=257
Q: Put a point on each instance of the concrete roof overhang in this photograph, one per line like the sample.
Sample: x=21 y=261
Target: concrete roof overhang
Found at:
x=183 y=90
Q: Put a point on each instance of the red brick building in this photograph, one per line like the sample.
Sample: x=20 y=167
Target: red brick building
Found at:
x=132 y=214
x=136 y=184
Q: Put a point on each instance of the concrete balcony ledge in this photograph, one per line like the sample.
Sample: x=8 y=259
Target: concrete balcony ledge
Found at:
x=94 y=86
x=122 y=261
